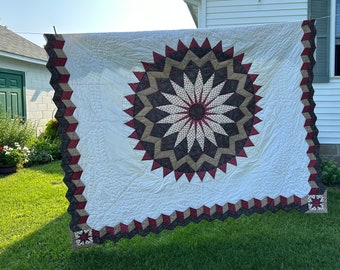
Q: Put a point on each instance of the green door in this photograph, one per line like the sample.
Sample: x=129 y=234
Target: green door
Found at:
x=12 y=92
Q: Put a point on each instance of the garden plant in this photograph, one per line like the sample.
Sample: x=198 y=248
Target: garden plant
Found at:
x=20 y=145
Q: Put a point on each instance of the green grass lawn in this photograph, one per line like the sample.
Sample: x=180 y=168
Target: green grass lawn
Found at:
x=34 y=235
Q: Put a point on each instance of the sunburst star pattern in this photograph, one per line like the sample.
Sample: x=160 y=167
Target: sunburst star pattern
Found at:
x=194 y=109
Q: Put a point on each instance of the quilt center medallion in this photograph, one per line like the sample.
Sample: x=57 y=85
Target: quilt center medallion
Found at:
x=194 y=109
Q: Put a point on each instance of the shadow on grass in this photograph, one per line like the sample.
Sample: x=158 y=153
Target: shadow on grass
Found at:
x=268 y=241
x=49 y=167
x=46 y=168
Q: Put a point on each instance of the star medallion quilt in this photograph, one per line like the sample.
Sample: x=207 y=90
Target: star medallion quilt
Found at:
x=162 y=128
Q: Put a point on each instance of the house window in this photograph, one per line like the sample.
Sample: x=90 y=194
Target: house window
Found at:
x=320 y=10
x=337 y=39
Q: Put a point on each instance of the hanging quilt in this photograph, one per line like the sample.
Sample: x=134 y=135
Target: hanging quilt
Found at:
x=162 y=128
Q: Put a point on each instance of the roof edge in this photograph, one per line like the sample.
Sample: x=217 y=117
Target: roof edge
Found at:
x=23 y=58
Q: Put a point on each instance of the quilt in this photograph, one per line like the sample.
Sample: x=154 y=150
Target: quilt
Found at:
x=163 y=128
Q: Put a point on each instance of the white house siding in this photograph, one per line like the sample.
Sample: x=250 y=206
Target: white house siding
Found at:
x=327 y=99
x=236 y=12
x=39 y=105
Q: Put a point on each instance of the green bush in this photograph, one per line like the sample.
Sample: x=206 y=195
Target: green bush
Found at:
x=330 y=172
x=46 y=147
x=44 y=150
x=15 y=130
x=51 y=130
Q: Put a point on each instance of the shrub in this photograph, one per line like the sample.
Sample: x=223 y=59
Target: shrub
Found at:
x=46 y=147
x=51 y=130
x=44 y=150
x=15 y=130
x=330 y=172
